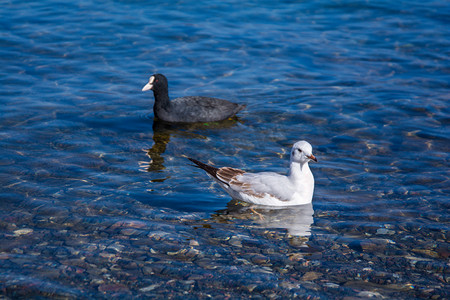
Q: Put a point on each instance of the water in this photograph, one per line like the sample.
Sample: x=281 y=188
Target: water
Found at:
x=100 y=201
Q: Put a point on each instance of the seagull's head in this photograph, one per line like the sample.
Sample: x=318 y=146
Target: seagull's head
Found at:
x=302 y=152
x=155 y=83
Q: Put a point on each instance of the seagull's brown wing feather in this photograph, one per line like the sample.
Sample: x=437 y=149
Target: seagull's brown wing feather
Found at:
x=228 y=176
x=225 y=175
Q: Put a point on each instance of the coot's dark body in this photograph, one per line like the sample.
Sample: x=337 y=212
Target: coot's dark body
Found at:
x=188 y=109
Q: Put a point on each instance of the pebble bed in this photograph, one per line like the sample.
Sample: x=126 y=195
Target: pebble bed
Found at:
x=140 y=252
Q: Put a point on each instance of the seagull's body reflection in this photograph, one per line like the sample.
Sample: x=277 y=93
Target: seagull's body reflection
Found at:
x=163 y=130
x=296 y=219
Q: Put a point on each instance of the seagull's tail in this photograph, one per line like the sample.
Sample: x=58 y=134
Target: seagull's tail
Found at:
x=209 y=169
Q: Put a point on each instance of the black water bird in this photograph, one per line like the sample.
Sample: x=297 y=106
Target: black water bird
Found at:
x=189 y=109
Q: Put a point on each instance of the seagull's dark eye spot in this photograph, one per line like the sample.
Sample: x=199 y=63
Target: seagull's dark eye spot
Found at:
x=299 y=150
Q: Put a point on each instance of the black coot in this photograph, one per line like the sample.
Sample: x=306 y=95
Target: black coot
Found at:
x=188 y=109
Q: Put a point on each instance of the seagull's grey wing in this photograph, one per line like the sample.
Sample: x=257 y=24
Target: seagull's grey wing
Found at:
x=262 y=184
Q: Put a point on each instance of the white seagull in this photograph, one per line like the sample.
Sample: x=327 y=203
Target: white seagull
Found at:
x=269 y=188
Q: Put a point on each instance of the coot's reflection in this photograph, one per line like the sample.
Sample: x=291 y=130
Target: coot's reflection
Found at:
x=162 y=131
x=296 y=219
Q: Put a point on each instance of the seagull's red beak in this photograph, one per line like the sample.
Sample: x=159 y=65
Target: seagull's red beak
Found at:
x=312 y=157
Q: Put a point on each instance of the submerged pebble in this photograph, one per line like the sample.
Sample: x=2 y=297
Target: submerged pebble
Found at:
x=23 y=231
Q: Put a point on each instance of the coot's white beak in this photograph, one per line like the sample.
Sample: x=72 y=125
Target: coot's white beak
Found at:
x=149 y=85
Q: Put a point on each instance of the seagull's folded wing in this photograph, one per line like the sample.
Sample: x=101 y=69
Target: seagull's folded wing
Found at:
x=263 y=184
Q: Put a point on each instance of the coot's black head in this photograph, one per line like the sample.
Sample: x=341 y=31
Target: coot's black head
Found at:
x=156 y=83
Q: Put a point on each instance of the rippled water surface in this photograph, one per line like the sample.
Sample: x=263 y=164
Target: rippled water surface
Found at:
x=99 y=201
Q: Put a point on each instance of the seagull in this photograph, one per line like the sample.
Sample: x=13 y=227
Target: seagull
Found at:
x=188 y=109
x=269 y=188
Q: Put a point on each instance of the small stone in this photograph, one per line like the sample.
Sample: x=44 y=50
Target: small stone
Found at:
x=22 y=231
x=251 y=287
x=332 y=285
x=131 y=231
x=289 y=285
x=17 y=251
x=443 y=251
x=112 y=288
x=128 y=224
x=192 y=253
x=129 y=265
x=195 y=277
x=259 y=259
x=92 y=248
x=149 y=288
x=147 y=270
x=235 y=241
x=427 y=252
x=296 y=257
x=193 y=243
x=107 y=255
x=369 y=246
x=97 y=281
x=369 y=294
x=385 y=231
x=179 y=252
x=297 y=241
x=311 y=276
x=206 y=263
x=116 y=247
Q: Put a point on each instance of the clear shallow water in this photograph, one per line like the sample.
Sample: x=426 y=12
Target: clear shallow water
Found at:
x=98 y=201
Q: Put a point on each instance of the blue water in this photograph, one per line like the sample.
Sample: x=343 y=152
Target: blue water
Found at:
x=365 y=82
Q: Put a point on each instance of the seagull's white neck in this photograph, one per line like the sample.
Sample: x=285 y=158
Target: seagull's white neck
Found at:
x=298 y=171
x=302 y=178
